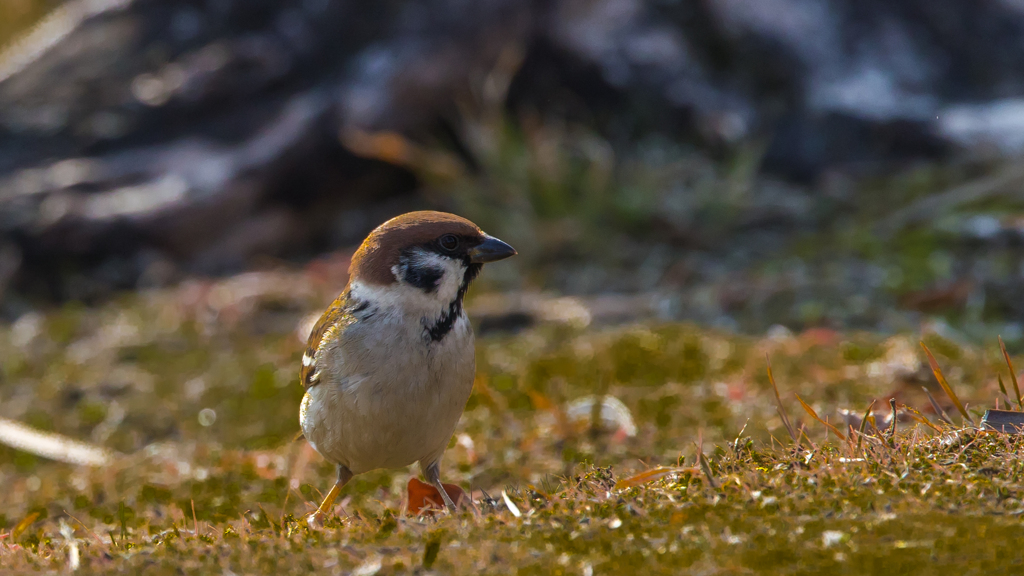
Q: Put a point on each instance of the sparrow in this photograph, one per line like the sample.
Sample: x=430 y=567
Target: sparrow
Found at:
x=390 y=364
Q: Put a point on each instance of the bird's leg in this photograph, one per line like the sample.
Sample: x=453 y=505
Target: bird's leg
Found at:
x=317 y=518
x=433 y=474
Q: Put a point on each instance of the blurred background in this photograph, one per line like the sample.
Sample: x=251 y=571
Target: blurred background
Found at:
x=741 y=163
x=182 y=183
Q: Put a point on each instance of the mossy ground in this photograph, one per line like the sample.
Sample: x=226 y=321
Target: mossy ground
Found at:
x=197 y=389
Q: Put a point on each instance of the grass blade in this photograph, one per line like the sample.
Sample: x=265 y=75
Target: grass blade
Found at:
x=1013 y=376
x=778 y=400
x=918 y=417
x=23 y=525
x=1002 y=389
x=816 y=417
x=939 y=410
x=945 y=386
x=652 y=475
x=864 y=423
x=706 y=468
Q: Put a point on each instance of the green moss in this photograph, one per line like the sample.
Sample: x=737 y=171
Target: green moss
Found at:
x=62 y=327
x=860 y=351
x=91 y=413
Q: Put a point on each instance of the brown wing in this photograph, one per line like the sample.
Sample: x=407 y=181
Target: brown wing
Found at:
x=337 y=316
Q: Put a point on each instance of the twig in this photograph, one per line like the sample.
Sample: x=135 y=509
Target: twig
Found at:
x=87 y=529
x=892 y=423
x=52 y=445
x=195 y=523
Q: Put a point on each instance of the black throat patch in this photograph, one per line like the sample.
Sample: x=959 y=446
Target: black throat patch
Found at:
x=446 y=321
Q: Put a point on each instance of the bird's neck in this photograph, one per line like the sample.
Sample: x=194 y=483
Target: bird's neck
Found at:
x=436 y=311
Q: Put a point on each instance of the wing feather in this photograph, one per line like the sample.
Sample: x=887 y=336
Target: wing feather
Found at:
x=337 y=316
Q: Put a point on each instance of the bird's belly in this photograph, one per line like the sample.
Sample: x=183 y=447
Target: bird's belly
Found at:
x=380 y=433
x=398 y=417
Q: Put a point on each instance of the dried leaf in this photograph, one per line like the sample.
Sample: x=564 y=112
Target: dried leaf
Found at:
x=425 y=497
x=540 y=401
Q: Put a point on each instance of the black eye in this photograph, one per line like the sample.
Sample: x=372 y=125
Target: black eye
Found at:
x=449 y=242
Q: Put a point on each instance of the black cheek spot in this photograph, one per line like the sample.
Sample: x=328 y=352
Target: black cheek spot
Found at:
x=424 y=278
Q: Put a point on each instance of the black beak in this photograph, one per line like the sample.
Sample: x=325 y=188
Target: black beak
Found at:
x=490 y=250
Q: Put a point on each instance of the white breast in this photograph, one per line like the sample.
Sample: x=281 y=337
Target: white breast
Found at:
x=388 y=396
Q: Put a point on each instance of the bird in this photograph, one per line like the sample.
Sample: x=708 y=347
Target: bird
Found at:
x=390 y=364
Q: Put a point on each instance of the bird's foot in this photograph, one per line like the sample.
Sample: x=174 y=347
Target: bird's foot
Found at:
x=316 y=519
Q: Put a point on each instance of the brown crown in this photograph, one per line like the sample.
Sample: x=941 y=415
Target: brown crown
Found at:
x=380 y=251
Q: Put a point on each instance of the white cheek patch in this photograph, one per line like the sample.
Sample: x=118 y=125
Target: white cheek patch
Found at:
x=409 y=300
x=452 y=272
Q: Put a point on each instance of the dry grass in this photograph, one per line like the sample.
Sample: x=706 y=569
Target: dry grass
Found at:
x=196 y=389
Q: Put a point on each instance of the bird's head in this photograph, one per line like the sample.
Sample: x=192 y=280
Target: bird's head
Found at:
x=426 y=258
